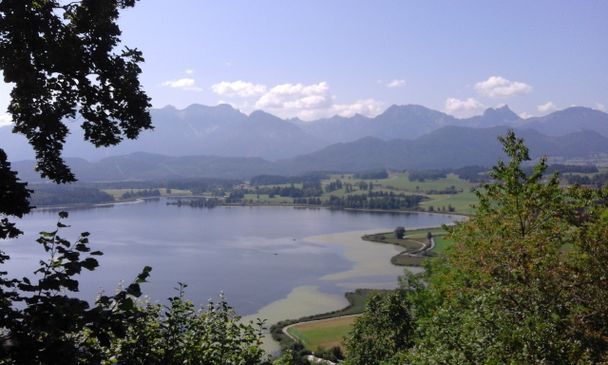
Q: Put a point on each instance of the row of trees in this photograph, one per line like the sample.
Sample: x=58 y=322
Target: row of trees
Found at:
x=371 y=175
x=146 y=193
x=308 y=189
x=379 y=201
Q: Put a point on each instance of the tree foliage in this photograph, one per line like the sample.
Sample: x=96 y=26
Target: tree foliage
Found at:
x=43 y=324
x=181 y=334
x=527 y=282
x=384 y=329
x=399 y=232
x=14 y=196
x=62 y=60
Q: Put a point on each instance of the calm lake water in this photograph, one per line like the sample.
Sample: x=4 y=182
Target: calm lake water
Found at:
x=255 y=255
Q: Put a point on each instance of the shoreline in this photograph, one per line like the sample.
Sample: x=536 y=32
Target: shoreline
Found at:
x=141 y=200
x=371 y=268
x=358 y=252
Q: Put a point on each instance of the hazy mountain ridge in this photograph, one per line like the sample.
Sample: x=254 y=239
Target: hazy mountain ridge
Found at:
x=224 y=131
x=447 y=147
x=570 y=120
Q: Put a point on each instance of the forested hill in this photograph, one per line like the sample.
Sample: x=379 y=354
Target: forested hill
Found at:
x=444 y=148
x=447 y=147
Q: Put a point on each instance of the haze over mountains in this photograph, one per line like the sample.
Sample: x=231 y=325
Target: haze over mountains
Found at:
x=408 y=136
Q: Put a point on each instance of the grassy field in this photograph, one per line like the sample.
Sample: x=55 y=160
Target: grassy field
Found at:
x=441 y=244
x=356 y=300
x=323 y=334
x=461 y=202
x=401 y=181
x=396 y=183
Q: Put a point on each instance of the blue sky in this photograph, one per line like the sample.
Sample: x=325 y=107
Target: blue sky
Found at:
x=317 y=58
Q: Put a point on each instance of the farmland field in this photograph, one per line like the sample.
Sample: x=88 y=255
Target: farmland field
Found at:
x=323 y=334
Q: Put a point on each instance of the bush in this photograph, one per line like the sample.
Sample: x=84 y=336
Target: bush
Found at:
x=399 y=233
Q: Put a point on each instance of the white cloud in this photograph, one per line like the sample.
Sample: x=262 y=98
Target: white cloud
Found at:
x=238 y=88
x=601 y=107
x=546 y=107
x=5 y=120
x=295 y=97
x=312 y=101
x=463 y=108
x=189 y=72
x=498 y=86
x=395 y=83
x=525 y=115
x=187 y=84
x=368 y=107
x=289 y=100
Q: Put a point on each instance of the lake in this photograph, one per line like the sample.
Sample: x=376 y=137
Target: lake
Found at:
x=258 y=256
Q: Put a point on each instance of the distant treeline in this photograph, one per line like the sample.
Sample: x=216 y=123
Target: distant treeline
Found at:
x=312 y=177
x=375 y=200
x=47 y=195
x=564 y=169
x=469 y=173
x=449 y=190
x=196 y=185
x=196 y=203
x=308 y=189
x=598 y=180
x=146 y=193
x=477 y=174
x=371 y=175
x=307 y=201
x=202 y=185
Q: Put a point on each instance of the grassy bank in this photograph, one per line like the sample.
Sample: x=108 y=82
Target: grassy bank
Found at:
x=356 y=300
x=413 y=243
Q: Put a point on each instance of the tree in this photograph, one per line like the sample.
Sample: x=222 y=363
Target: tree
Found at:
x=14 y=199
x=181 y=334
x=42 y=324
x=385 y=328
x=399 y=232
x=62 y=60
x=526 y=282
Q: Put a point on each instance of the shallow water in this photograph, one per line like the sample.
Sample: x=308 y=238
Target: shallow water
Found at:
x=255 y=255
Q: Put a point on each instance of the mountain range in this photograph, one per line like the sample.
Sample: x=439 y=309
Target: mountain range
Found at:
x=224 y=131
x=447 y=147
x=220 y=141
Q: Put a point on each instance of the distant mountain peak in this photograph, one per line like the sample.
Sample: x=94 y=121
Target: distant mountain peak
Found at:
x=502 y=114
x=258 y=114
x=410 y=112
